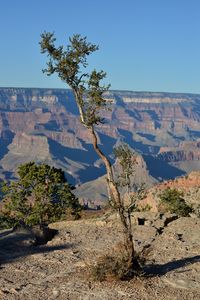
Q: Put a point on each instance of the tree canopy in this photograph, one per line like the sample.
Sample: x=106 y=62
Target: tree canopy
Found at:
x=41 y=195
x=70 y=64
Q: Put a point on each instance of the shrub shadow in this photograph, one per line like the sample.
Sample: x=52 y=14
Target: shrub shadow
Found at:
x=14 y=246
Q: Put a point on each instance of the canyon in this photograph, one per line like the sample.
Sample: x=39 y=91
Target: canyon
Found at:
x=43 y=125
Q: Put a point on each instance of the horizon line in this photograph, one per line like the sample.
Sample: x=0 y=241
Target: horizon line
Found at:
x=111 y=90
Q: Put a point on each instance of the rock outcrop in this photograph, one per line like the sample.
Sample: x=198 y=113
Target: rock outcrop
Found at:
x=189 y=185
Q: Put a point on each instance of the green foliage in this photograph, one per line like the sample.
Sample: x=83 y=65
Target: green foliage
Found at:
x=40 y=196
x=6 y=222
x=70 y=63
x=174 y=202
x=145 y=208
x=127 y=161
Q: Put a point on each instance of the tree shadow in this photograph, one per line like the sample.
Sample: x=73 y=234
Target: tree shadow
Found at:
x=15 y=245
x=153 y=270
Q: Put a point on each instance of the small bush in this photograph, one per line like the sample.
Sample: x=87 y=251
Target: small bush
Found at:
x=110 y=268
x=118 y=266
x=174 y=202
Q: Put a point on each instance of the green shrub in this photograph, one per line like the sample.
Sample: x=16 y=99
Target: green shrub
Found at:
x=41 y=195
x=174 y=202
x=6 y=222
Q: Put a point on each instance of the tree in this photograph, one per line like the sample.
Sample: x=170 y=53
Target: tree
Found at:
x=174 y=202
x=40 y=196
x=70 y=64
x=127 y=160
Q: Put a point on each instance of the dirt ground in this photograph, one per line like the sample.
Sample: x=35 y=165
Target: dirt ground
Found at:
x=59 y=269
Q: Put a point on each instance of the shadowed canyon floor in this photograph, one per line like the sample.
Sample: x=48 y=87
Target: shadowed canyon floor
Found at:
x=59 y=269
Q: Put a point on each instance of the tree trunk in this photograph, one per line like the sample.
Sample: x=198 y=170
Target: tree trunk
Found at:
x=117 y=203
x=113 y=193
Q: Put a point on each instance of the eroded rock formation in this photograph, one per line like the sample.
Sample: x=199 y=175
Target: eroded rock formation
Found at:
x=43 y=125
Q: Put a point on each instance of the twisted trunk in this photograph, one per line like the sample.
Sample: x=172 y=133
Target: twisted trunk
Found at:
x=116 y=199
x=113 y=192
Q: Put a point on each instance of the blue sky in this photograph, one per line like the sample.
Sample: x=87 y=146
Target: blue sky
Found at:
x=145 y=45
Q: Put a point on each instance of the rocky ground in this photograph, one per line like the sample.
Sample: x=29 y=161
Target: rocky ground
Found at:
x=59 y=269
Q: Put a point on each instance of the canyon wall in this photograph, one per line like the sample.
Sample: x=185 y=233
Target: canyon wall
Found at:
x=43 y=125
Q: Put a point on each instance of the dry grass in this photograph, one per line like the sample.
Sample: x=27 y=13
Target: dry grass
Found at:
x=116 y=266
